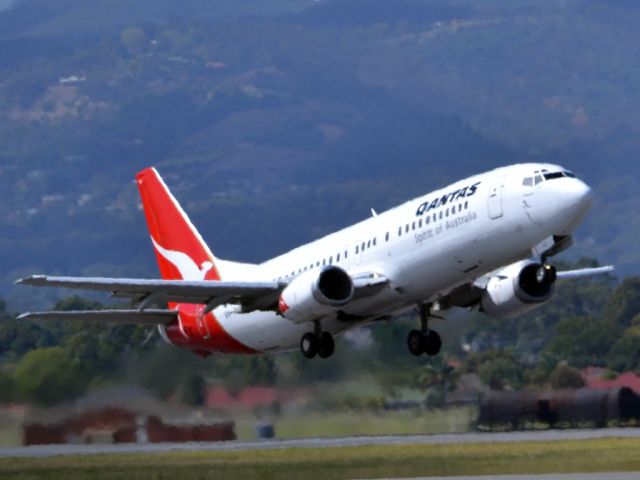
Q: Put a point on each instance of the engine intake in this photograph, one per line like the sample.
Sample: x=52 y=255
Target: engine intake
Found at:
x=521 y=287
x=313 y=295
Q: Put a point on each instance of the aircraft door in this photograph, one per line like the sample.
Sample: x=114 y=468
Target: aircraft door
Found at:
x=495 y=199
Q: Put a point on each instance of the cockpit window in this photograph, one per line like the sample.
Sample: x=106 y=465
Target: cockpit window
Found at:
x=569 y=174
x=538 y=179
x=554 y=175
x=527 y=182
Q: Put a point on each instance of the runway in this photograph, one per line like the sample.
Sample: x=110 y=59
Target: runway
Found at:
x=548 y=476
x=441 y=439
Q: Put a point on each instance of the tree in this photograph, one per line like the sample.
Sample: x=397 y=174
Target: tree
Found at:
x=47 y=376
x=563 y=376
x=625 y=353
x=498 y=369
x=193 y=390
x=582 y=341
x=7 y=387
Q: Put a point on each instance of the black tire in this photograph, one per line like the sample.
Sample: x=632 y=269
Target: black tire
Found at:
x=309 y=345
x=416 y=342
x=326 y=345
x=432 y=342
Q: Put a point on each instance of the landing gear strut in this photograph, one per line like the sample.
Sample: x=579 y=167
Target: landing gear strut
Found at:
x=317 y=343
x=424 y=340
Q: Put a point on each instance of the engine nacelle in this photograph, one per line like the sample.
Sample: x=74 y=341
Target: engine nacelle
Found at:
x=315 y=294
x=520 y=288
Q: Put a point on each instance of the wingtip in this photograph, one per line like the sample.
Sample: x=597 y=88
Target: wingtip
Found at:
x=31 y=280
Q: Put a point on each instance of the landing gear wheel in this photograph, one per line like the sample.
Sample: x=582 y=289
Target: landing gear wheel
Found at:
x=326 y=345
x=432 y=343
x=416 y=343
x=309 y=345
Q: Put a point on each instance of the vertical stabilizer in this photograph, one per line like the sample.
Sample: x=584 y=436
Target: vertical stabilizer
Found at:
x=180 y=250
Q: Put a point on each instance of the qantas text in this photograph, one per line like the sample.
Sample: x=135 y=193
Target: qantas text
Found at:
x=448 y=198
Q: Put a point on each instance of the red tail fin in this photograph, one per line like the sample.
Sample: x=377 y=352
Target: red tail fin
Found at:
x=180 y=250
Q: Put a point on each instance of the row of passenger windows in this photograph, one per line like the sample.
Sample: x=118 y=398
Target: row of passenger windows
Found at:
x=434 y=217
x=359 y=248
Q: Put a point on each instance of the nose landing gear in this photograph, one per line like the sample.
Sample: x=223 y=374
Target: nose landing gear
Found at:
x=424 y=340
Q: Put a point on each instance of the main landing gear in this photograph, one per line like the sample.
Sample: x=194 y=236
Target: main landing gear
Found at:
x=424 y=340
x=317 y=343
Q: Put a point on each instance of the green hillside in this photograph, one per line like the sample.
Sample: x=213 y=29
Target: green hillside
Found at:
x=278 y=121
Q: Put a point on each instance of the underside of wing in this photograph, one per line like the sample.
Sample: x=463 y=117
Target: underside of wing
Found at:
x=125 y=317
x=251 y=295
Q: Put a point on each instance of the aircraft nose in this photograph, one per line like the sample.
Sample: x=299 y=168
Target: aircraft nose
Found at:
x=575 y=197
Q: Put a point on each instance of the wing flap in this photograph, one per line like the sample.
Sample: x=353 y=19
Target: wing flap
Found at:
x=124 y=317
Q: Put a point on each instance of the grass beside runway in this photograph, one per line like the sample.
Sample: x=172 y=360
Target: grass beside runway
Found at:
x=344 y=462
x=346 y=424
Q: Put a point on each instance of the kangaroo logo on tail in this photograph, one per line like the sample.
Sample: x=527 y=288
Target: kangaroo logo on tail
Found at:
x=183 y=263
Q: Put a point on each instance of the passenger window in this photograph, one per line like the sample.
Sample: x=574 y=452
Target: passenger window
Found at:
x=406 y=228
x=440 y=214
x=386 y=237
x=435 y=217
x=413 y=225
x=399 y=231
x=428 y=220
x=324 y=262
x=420 y=223
x=369 y=244
x=460 y=208
x=331 y=260
x=447 y=212
x=357 y=248
x=363 y=245
x=466 y=204
x=527 y=182
x=338 y=258
x=374 y=241
x=346 y=254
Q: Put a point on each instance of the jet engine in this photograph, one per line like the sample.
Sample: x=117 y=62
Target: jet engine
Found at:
x=519 y=288
x=315 y=294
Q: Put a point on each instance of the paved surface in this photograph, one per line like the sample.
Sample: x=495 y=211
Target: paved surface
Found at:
x=567 y=476
x=538 y=436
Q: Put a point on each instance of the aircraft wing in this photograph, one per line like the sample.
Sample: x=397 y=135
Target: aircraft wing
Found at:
x=469 y=294
x=584 y=272
x=124 y=317
x=212 y=293
x=251 y=295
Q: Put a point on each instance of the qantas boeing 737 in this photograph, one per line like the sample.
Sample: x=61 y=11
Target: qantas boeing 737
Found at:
x=483 y=242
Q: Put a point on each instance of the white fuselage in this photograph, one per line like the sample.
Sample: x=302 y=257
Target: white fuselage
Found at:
x=425 y=247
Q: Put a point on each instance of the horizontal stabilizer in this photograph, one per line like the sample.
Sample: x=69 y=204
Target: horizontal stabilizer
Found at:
x=133 y=317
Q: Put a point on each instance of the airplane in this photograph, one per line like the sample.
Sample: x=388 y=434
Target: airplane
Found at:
x=483 y=242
